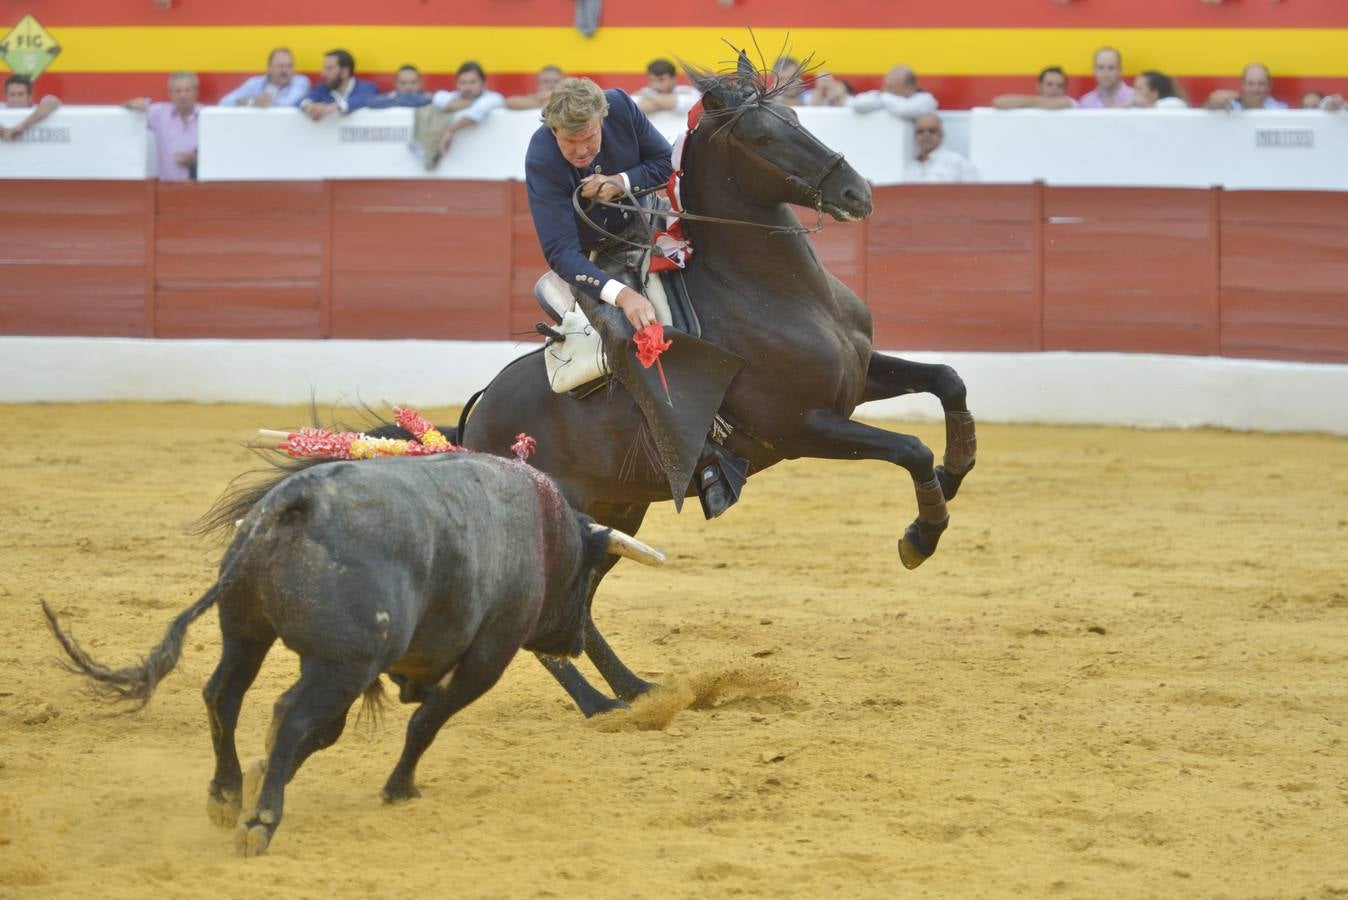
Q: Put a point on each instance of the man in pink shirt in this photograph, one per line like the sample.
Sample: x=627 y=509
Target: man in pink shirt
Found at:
x=174 y=125
x=1110 y=91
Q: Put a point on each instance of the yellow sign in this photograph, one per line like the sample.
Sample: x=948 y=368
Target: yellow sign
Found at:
x=29 y=48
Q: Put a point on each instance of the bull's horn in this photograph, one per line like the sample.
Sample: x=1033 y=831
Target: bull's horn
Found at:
x=620 y=544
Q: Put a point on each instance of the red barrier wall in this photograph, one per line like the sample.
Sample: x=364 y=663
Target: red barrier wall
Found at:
x=942 y=267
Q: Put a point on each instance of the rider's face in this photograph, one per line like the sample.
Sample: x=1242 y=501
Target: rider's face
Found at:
x=581 y=147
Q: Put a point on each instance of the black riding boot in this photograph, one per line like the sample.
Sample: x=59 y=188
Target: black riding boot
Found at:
x=720 y=477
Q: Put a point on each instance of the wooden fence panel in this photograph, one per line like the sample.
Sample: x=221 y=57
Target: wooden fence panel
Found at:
x=1285 y=275
x=421 y=259
x=73 y=256
x=953 y=267
x=1130 y=270
x=239 y=260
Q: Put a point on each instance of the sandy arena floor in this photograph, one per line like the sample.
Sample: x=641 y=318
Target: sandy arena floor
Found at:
x=1125 y=674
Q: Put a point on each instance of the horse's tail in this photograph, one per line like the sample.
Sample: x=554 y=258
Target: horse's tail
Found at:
x=132 y=683
x=463 y=416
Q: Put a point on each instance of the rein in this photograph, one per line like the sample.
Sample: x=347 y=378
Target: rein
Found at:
x=812 y=188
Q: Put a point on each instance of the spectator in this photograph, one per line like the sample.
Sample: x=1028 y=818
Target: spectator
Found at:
x=339 y=90
x=470 y=102
x=828 y=90
x=1154 y=90
x=174 y=125
x=786 y=71
x=406 y=91
x=1052 y=93
x=1256 y=86
x=19 y=95
x=279 y=87
x=1312 y=99
x=548 y=79
x=1110 y=91
x=1333 y=103
x=899 y=95
x=933 y=163
x=663 y=91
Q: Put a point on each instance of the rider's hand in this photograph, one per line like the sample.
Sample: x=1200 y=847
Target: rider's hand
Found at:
x=605 y=187
x=637 y=308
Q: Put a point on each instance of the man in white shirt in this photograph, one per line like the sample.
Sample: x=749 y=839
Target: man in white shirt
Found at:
x=900 y=96
x=663 y=91
x=19 y=95
x=933 y=163
x=281 y=86
x=471 y=101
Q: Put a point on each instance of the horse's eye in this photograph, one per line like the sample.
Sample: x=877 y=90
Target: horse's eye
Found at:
x=763 y=140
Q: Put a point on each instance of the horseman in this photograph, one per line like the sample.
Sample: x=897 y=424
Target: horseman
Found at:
x=598 y=145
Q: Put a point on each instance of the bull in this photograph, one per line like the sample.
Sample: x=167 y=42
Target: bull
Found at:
x=435 y=571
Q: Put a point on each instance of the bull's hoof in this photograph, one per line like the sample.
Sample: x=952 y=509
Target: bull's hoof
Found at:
x=950 y=482
x=222 y=806
x=399 y=793
x=919 y=541
x=252 y=783
x=251 y=839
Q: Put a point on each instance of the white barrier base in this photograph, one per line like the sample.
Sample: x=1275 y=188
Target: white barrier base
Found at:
x=1141 y=390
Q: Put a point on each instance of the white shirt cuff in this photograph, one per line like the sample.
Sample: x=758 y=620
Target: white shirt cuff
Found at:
x=611 y=289
x=627 y=182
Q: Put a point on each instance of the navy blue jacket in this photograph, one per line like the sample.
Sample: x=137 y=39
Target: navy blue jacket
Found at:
x=361 y=95
x=630 y=144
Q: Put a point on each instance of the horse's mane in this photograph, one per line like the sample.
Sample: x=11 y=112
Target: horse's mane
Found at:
x=741 y=83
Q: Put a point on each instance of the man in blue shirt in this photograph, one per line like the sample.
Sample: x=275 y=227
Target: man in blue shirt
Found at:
x=281 y=86
x=602 y=142
x=339 y=91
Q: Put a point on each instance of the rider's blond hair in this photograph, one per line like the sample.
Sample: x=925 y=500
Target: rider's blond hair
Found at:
x=573 y=103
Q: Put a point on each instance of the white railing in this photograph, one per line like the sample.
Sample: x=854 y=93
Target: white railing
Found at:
x=1179 y=148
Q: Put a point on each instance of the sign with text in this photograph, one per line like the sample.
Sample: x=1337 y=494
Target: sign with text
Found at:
x=29 y=48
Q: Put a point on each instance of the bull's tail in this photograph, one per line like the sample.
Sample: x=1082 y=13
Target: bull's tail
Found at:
x=132 y=683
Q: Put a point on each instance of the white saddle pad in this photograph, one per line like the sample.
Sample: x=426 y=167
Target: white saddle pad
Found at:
x=580 y=358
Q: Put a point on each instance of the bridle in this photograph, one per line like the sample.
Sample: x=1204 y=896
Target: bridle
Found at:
x=813 y=189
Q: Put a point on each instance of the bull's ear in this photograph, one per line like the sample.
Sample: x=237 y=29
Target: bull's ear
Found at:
x=746 y=73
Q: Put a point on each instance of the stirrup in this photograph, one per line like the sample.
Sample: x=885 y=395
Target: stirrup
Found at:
x=720 y=478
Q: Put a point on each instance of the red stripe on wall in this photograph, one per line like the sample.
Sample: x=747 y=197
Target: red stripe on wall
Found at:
x=740 y=14
x=953 y=91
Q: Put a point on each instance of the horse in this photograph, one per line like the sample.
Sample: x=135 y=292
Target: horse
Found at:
x=763 y=294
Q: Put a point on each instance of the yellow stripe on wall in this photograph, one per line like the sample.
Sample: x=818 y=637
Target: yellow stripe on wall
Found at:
x=935 y=51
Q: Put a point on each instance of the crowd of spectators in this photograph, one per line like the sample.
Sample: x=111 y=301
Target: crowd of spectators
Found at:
x=443 y=114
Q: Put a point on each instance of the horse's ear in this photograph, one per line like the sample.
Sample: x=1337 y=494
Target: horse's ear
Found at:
x=713 y=99
x=748 y=75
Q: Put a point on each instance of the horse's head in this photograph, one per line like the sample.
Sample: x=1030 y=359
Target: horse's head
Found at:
x=761 y=145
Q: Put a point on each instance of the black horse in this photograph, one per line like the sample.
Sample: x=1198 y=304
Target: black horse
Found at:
x=761 y=293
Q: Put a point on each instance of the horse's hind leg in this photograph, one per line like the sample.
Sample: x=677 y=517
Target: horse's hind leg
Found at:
x=240 y=659
x=828 y=435
x=306 y=719
x=889 y=376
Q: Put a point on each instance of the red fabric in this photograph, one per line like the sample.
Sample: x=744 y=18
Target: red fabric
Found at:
x=651 y=343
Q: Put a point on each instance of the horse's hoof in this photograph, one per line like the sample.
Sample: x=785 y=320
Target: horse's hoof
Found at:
x=252 y=840
x=919 y=541
x=950 y=482
x=400 y=794
x=222 y=806
x=606 y=705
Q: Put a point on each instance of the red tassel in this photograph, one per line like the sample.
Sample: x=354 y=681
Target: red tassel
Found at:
x=651 y=343
x=524 y=446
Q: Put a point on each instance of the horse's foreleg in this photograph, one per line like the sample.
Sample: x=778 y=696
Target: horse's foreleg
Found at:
x=625 y=683
x=828 y=435
x=890 y=376
x=586 y=698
